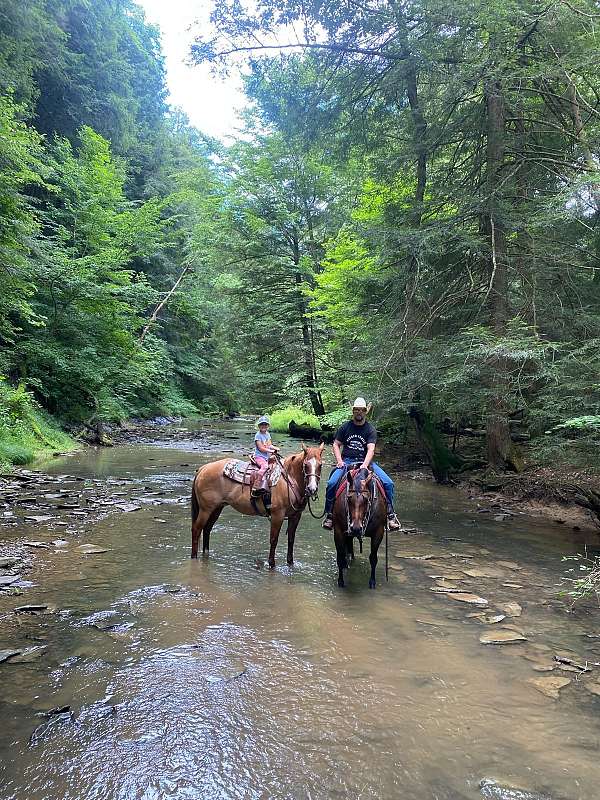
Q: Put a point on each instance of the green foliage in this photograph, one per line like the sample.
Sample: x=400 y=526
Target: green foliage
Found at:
x=281 y=418
x=582 y=580
x=25 y=431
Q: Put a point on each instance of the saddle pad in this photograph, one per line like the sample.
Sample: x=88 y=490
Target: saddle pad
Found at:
x=243 y=472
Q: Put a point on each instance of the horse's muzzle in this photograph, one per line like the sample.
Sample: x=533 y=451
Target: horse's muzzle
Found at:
x=356 y=530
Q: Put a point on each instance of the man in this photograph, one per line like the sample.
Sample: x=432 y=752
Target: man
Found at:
x=355 y=444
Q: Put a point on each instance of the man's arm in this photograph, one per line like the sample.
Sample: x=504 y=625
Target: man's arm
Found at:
x=369 y=457
x=338 y=453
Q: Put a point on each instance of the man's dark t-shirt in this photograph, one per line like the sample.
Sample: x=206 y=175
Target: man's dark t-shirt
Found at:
x=355 y=439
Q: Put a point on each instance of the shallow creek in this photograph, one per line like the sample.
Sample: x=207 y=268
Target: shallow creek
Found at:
x=219 y=679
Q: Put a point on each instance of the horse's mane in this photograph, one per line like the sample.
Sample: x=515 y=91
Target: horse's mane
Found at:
x=360 y=477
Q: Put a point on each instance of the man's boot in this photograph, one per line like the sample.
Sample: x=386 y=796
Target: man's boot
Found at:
x=393 y=522
x=328 y=522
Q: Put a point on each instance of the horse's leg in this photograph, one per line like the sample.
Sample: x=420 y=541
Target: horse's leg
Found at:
x=375 y=542
x=293 y=522
x=276 y=523
x=350 y=548
x=341 y=550
x=208 y=526
x=197 y=526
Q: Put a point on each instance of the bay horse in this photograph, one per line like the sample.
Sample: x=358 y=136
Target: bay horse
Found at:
x=359 y=510
x=212 y=491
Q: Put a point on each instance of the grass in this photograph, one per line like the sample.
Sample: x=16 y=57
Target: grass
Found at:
x=26 y=432
x=281 y=418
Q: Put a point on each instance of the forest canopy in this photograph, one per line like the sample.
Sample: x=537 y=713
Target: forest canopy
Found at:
x=411 y=213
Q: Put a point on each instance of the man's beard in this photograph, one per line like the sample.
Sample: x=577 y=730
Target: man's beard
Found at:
x=359 y=417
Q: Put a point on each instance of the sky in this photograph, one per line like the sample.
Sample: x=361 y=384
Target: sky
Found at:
x=209 y=101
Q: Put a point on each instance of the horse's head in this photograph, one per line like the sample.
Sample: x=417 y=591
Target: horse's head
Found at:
x=359 y=501
x=312 y=460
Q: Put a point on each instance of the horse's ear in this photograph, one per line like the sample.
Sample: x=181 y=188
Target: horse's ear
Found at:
x=322 y=447
x=305 y=448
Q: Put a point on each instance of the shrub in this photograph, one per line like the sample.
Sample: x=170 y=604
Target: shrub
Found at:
x=281 y=418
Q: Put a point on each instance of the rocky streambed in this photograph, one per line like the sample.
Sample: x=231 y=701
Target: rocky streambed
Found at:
x=129 y=671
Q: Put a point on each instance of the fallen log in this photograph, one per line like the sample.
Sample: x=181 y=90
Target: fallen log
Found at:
x=310 y=432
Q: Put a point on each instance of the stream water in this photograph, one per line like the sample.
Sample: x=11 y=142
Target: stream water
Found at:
x=217 y=678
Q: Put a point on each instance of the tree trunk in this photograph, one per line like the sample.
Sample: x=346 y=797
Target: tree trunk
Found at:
x=501 y=451
x=310 y=370
x=441 y=459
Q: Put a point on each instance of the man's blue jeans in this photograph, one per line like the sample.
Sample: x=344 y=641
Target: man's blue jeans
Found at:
x=388 y=484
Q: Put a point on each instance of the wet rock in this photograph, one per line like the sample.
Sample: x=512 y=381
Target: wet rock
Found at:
x=29 y=654
x=127 y=507
x=444 y=583
x=6 y=654
x=31 y=609
x=91 y=549
x=416 y=556
x=509 y=565
x=492 y=790
x=467 y=597
x=41 y=545
x=511 y=609
x=484 y=572
x=487 y=619
x=38 y=518
x=7 y=580
x=512 y=585
x=8 y=562
x=594 y=688
x=549 y=686
x=502 y=636
x=443 y=590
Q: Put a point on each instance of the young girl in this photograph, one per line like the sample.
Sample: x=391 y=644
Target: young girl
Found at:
x=263 y=449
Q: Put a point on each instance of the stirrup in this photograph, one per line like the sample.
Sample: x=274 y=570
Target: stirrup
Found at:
x=328 y=522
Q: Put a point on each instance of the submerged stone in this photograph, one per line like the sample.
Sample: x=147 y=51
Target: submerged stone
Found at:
x=91 y=549
x=511 y=609
x=484 y=572
x=492 y=790
x=467 y=597
x=6 y=654
x=549 y=686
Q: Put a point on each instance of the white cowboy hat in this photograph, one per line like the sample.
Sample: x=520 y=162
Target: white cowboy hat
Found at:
x=360 y=402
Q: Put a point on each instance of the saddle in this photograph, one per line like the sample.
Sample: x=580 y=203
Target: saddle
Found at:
x=243 y=472
x=349 y=477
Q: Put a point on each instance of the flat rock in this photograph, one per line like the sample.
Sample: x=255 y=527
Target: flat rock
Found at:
x=397 y=567
x=128 y=506
x=467 y=597
x=416 y=556
x=7 y=580
x=38 y=518
x=8 y=562
x=91 y=549
x=29 y=654
x=550 y=685
x=502 y=636
x=594 y=688
x=6 y=654
x=509 y=565
x=484 y=572
x=488 y=619
x=30 y=609
x=511 y=609
x=492 y=790
x=37 y=544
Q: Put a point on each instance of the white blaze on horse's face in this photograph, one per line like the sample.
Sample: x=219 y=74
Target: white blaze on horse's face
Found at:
x=310 y=469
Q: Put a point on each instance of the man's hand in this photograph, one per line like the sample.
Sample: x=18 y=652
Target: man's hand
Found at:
x=340 y=464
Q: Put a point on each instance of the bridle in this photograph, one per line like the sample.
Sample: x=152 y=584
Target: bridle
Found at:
x=366 y=517
x=292 y=484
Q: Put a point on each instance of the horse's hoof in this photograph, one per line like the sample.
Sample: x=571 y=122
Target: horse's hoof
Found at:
x=271 y=565
x=371 y=584
x=341 y=583
x=290 y=563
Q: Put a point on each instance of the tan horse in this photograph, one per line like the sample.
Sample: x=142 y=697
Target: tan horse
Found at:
x=212 y=491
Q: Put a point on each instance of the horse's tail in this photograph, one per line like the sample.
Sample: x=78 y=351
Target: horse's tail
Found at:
x=195 y=503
